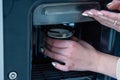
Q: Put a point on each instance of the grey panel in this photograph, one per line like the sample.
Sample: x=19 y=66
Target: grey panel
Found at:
x=1 y=42
x=59 y=13
x=17 y=40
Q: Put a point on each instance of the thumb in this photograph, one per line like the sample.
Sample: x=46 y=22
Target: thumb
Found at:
x=114 y=5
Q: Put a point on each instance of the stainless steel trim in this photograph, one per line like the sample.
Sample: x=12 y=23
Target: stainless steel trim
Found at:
x=1 y=42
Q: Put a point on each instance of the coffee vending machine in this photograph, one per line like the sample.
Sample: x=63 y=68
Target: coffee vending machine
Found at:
x=23 y=27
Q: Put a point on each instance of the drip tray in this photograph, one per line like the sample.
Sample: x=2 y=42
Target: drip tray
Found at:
x=48 y=72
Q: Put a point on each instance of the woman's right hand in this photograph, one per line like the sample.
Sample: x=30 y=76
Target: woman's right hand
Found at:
x=107 y=18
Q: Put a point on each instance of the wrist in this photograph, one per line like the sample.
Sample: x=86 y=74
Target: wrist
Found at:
x=107 y=64
x=95 y=61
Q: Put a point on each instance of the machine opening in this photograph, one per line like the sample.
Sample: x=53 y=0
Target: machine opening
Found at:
x=41 y=64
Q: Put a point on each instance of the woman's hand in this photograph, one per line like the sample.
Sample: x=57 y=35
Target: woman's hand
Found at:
x=114 y=5
x=77 y=55
x=109 y=19
x=80 y=56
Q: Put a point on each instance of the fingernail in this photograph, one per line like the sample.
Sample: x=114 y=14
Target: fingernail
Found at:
x=90 y=13
x=109 y=4
x=84 y=14
x=53 y=64
x=99 y=13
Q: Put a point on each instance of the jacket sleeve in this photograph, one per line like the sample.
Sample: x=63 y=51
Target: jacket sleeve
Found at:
x=118 y=69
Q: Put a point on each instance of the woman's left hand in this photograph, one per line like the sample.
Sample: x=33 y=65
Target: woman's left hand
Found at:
x=76 y=54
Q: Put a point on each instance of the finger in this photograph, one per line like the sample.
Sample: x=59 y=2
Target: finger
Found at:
x=60 y=67
x=85 y=44
x=95 y=13
x=56 y=49
x=85 y=13
x=106 y=21
x=114 y=5
x=111 y=15
x=55 y=56
x=106 y=18
x=98 y=16
x=90 y=13
x=60 y=43
x=75 y=39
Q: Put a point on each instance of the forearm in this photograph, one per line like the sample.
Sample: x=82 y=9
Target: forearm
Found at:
x=107 y=64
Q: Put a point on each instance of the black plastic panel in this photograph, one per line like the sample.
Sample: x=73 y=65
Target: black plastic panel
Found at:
x=48 y=72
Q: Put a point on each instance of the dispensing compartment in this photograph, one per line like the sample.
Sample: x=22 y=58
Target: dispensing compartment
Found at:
x=41 y=64
x=63 y=15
